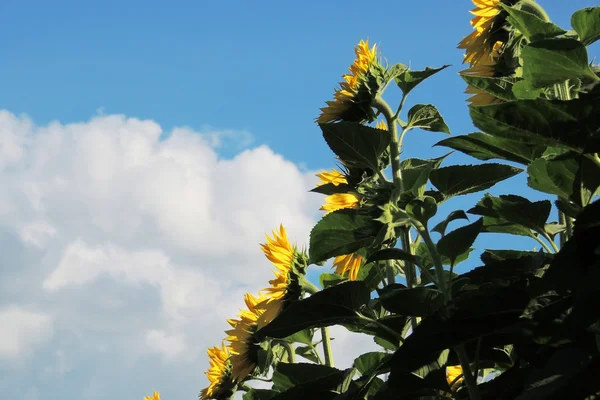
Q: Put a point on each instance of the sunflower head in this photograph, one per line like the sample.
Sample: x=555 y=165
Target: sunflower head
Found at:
x=243 y=348
x=349 y=263
x=219 y=374
x=381 y=125
x=289 y=264
x=454 y=377
x=334 y=177
x=339 y=201
x=347 y=103
x=155 y=396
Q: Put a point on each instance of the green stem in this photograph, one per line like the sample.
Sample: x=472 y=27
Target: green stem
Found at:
x=437 y=260
x=569 y=227
x=409 y=270
x=327 y=347
x=308 y=286
x=470 y=380
x=382 y=106
x=319 y=360
x=289 y=349
x=244 y=387
x=562 y=235
x=544 y=245
x=390 y=273
x=549 y=239
x=595 y=158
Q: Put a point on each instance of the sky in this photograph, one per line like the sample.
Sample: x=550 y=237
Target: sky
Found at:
x=145 y=150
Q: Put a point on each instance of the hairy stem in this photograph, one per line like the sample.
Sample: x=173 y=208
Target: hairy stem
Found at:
x=327 y=347
x=289 y=349
x=409 y=270
x=470 y=379
x=544 y=245
x=437 y=260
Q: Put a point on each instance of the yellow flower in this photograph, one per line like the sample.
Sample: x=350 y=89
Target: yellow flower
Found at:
x=478 y=44
x=335 y=177
x=340 y=201
x=454 y=376
x=344 y=96
x=155 y=396
x=381 y=125
x=243 y=347
x=348 y=263
x=279 y=250
x=218 y=372
x=484 y=68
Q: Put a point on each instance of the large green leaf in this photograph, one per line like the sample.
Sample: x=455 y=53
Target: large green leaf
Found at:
x=551 y=61
x=415 y=173
x=515 y=209
x=355 y=144
x=410 y=78
x=487 y=147
x=426 y=117
x=457 y=242
x=334 y=305
x=501 y=88
x=418 y=301
x=300 y=381
x=371 y=362
x=531 y=26
x=456 y=180
x=568 y=178
x=570 y=124
x=587 y=24
x=393 y=254
x=341 y=232
x=500 y=225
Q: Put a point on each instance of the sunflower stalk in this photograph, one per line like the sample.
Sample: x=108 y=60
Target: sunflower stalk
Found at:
x=289 y=349
x=327 y=347
x=470 y=379
x=383 y=107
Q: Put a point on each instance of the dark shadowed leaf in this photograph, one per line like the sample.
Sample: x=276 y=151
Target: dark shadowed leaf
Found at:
x=260 y=394
x=341 y=232
x=370 y=362
x=462 y=179
x=453 y=216
x=334 y=305
x=357 y=145
x=411 y=78
x=427 y=117
x=501 y=88
x=487 y=147
x=459 y=241
x=418 y=301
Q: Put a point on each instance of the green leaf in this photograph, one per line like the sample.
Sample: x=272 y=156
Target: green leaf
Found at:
x=566 y=124
x=326 y=279
x=515 y=209
x=415 y=173
x=426 y=117
x=457 y=180
x=500 y=225
x=334 y=305
x=531 y=26
x=371 y=274
x=487 y=147
x=422 y=209
x=355 y=144
x=341 y=232
x=422 y=253
x=501 y=88
x=551 y=61
x=394 y=254
x=414 y=302
x=409 y=78
x=395 y=71
x=577 y=181
x=369 y=363
x=459 y=240
x=304 y=336
x=329 y=189
x=259 y=394
x=587 y=24
x=308 y=353
x=301 y=380
x=523 y=90
x=453 y=216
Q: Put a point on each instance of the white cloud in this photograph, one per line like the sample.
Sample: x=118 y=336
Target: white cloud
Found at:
x=133 y=245
x=22 y=332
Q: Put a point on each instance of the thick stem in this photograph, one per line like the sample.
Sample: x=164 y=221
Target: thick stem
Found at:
x=437 y=261
x=544 y=245
x=289 y=349
x=327 y=347
x=470 y=379
x=409 y=270
x=549 y=239
x=563 y=235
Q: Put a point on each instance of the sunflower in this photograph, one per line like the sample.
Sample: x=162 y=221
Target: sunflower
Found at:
x=381 y=125
x=155 y=396
x=219 y=372
x=344 y=97
x=281 y=253
x=485 y=68
x=454 y=376
x=335 y=177
x=478 y=45
x=339 y=201
x=350 y=263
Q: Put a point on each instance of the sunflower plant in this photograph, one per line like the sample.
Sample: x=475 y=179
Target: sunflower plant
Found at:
x=523 y=324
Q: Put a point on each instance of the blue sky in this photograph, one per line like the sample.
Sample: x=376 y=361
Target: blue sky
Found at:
x=235 y=87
